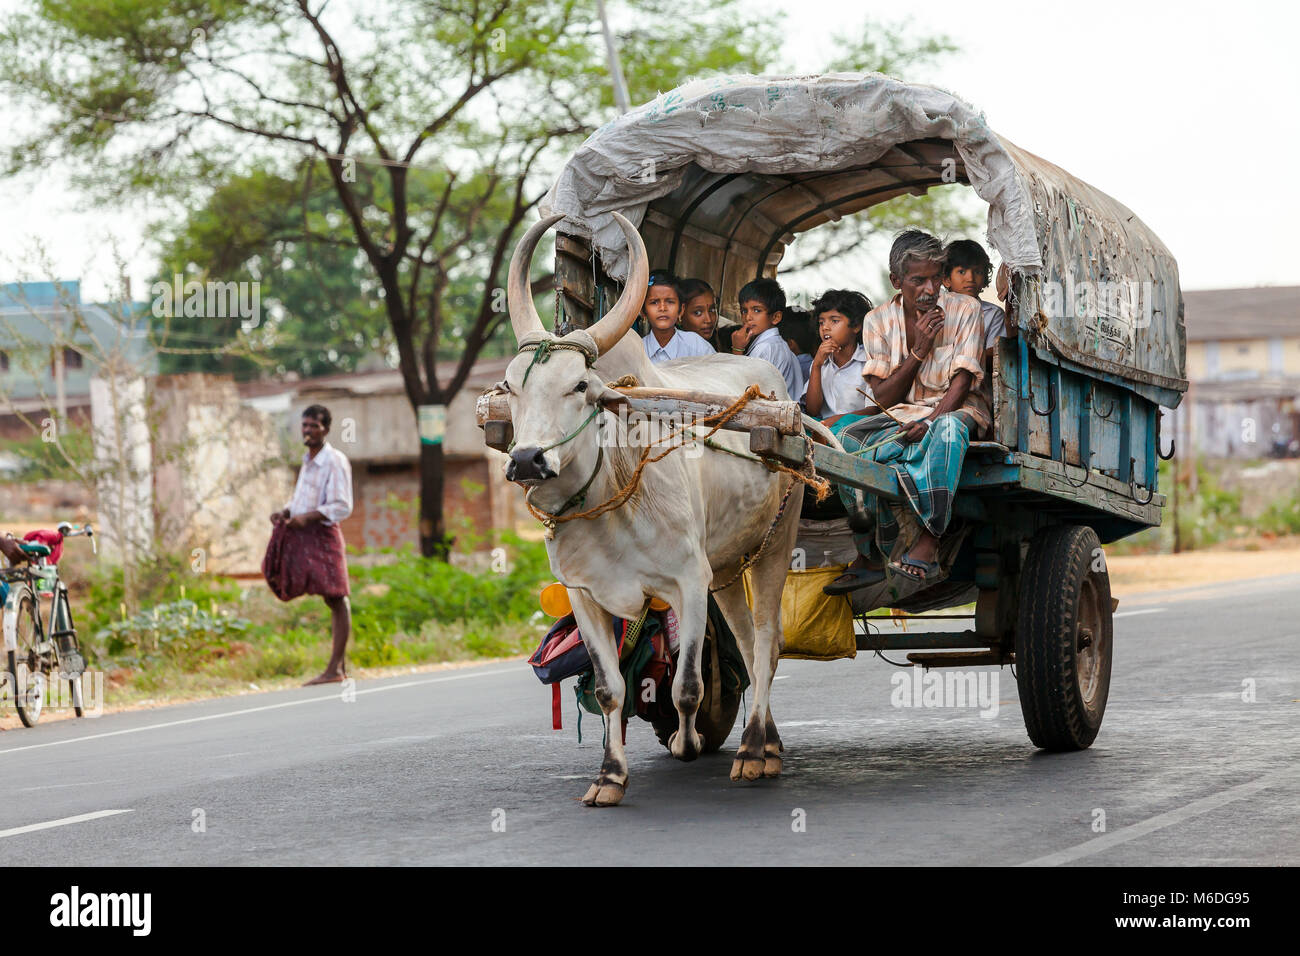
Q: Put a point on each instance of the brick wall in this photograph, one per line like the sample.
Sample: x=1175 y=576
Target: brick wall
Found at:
x=385 y=501
x=13 y=428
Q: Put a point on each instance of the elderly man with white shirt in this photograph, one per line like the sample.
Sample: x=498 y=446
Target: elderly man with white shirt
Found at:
x=306 y=554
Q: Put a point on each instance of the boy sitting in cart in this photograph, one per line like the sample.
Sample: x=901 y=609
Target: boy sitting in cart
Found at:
x=925 y=350
x=966 y=270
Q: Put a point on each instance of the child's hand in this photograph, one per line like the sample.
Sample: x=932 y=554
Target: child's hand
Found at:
x=740 y=339
x=825 y=351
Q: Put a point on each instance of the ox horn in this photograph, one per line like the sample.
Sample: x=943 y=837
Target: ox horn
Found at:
x=519 y=295
x=615 y=323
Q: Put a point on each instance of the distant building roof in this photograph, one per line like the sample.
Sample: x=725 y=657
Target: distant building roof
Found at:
x=483 y=373
x=1263 y=312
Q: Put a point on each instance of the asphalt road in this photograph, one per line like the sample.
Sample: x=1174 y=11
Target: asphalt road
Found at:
x=462 y=767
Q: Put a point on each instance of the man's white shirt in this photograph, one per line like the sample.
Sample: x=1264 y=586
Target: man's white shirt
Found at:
x=770 y=347
x=324 y=485
x=683 y=344
x=840 y=385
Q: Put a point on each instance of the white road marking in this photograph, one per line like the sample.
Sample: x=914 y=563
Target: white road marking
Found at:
x=79 y=818
x=1149 y=610
x=60 y=786
x=254 y=710
x=781 y=677
x=1158 y=822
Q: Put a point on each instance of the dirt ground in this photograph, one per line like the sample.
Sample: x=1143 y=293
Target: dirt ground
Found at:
x=1133 y=574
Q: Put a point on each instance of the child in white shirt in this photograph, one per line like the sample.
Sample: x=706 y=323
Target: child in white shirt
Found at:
x=662 y=309
x=761 y=304
x=835 y=380
x=966 y=269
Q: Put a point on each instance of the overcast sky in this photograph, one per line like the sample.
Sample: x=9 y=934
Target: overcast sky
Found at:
x=1187 y=113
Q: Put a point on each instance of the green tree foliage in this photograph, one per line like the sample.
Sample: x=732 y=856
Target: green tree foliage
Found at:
x=319 y=309
x=396 y=145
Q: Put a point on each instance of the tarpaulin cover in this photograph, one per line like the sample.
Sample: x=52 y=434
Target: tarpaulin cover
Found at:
x=696 y=166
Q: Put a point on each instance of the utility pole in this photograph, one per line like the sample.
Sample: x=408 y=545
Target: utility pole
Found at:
x=615 y=70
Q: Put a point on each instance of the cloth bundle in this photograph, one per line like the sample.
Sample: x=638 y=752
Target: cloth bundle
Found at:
x=308 y=560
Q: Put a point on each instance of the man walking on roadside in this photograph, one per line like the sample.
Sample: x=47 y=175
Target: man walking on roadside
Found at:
x=306 y=553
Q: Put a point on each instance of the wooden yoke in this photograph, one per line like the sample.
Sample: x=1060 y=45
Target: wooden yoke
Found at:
x=681 y=406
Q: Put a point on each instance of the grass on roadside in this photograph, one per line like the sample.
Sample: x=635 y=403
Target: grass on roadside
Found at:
x=200 y=635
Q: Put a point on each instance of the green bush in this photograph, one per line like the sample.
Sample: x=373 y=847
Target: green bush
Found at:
x=411 y=610
x=43 y=461
x=162 y=580
x=180 y=632
x=1282 y=517
x=414 y=590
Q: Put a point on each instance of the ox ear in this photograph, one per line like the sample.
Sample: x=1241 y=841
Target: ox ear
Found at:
x=598 y=393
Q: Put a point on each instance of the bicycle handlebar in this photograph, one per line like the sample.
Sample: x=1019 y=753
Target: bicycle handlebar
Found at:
x=67 y=530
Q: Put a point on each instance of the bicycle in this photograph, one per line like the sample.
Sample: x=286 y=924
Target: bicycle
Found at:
x=44 y=654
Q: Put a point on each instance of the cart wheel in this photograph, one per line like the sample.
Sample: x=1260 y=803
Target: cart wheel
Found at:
x=1063 y=638
x=714 y=720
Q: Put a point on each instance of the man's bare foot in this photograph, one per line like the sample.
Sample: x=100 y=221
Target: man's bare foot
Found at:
x=329 y=677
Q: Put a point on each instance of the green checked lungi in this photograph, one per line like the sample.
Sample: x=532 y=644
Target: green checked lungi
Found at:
x=927 y=470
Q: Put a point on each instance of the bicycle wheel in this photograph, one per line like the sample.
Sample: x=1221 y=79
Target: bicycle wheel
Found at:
x=29 y=664
x=71 y=665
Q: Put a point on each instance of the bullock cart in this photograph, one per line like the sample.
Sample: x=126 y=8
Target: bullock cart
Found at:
x=1096 y=345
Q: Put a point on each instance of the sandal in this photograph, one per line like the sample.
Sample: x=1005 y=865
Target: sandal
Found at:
x=928 y=569
x=854 y=578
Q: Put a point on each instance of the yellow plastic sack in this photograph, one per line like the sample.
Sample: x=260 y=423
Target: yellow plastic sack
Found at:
x=817 y=626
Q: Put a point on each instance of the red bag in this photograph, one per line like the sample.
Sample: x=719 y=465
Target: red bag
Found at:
x=51 y=539
x=561 y=654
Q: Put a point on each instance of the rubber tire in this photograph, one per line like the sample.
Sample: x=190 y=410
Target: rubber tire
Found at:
x=715 y=728
x=26 y=604
x=1056 y=715
x=74 y=685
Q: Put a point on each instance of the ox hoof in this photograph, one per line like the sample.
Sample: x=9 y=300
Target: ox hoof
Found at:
x=771 y=766
x=685 y=753
x=748 y=769
x=606 y=794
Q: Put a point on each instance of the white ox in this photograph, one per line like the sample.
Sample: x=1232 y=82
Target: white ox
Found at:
x=689 y=526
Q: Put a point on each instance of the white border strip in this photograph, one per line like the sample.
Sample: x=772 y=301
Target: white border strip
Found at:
x=254 y=710
x=80 y=818
x=1158 y=822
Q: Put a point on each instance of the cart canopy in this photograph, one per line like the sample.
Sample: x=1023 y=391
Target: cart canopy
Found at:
x=721 y=174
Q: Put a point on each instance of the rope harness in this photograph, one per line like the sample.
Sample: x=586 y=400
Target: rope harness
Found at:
x=806 y=473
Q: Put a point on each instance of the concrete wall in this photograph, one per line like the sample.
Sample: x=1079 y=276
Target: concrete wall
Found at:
x=219 y=472
x=378 y=433
x=123 y=450
x=1243 y=359
x=1233 y=429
